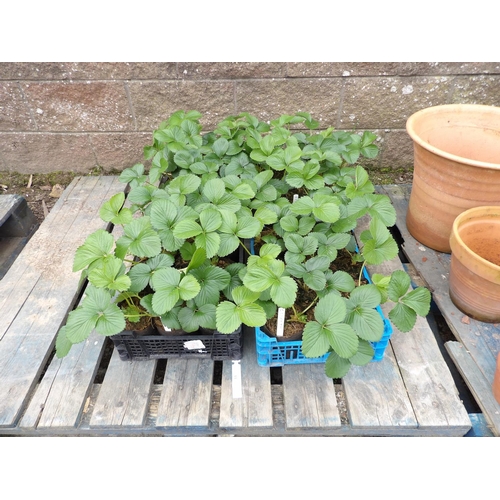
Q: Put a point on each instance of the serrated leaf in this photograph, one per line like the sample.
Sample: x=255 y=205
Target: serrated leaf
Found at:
x=330 y=310
x=315 y=342
x=419 y=300
x=336 y=367
x=110 y=274
x=185 y=229
x=365 y=296
x=227 y=319
x=364 y=355
x=398 y=286
x=366 y=322
x=63 y=345
x=403 y=317
x=96 y=246
x=343 y=339
x=284 y=291
x=140 y=238
x=112 y=210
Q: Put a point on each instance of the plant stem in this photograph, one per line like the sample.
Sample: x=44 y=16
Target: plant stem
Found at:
x=361 y=273
x=310 y=305
x=244 y=246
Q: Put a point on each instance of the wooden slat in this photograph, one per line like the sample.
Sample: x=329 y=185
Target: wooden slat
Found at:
x=309 y=397
x=125 y=392
x=479 y=386
x=33 y=316
x=481 y=340
x=60 y=398
x=376 y=397
x=254 y=408
x=426 y=376
x=186 y=395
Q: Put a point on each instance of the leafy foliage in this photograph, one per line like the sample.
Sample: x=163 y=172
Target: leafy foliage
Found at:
x=297 y=192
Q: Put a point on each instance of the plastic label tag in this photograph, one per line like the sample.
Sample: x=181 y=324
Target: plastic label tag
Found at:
x=194 y=344
x=295 y=198
x=280 y=327
x=166 y=328
x=236 y=380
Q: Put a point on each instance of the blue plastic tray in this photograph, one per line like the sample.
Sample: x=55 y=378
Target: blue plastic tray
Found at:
x=270 y=352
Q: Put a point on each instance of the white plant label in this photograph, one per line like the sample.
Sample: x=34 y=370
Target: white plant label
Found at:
x=166 y=328
x=295 y=198
x=236 y=380
x=194 y=344
x=280 y=327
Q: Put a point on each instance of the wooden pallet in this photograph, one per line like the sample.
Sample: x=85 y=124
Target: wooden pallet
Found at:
x=475 y=351
x=92 y=392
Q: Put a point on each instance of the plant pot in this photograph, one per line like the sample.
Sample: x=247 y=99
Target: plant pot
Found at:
x=456 y=167
x=496 y=381
x=475 y=263
x=160 y=328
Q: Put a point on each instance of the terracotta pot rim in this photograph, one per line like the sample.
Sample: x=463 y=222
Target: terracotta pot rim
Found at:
x=469 y=214
x=410 y=128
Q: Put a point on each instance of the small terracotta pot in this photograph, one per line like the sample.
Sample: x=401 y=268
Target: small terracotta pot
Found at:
x=475 y=263
x=456 y=167
x=496 y=381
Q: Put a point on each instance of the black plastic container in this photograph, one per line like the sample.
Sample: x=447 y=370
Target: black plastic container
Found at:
x=216 y=346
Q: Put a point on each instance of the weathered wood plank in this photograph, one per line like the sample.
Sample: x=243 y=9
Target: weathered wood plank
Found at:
x=376 y=396
x=482 y=340
x=36 y=314
x=427 y=378
x=186 y=395
x=254 y=408
x=479 y=386
x=125 y=392
x=64 y=389
x=309 y=397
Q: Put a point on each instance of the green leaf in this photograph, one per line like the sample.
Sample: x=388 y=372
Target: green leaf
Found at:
x=169 y=288
x=189 y=287
x=342 y=281
x=97 y=245
x=134 y=175
x=220 y=147
x=315 y=342
x=210 y=242
x=403 y=317
x=214 y=189
x=227 y=318
x=343 y=339
x=110 y=274
x=284 y=291
x=419 y=300
x=330 y=310
x=197 y=260
x=336 y=367
x=112 y=210
x=96 y=311
x=327 y=212
x=365 y=296
x=364 y=355
x=366 y=322
x=398 y=286
x=186 y=228
x=210 y=220
x=140 y=238
x=63 y=345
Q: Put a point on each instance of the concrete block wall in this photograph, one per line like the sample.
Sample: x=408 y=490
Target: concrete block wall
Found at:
x=79 y=116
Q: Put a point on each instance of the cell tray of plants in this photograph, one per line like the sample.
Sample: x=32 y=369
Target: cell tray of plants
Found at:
x=294 y=188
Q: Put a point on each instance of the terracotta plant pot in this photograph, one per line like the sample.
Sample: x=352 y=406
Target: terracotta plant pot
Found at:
x=475 y=263
x=456 y=167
